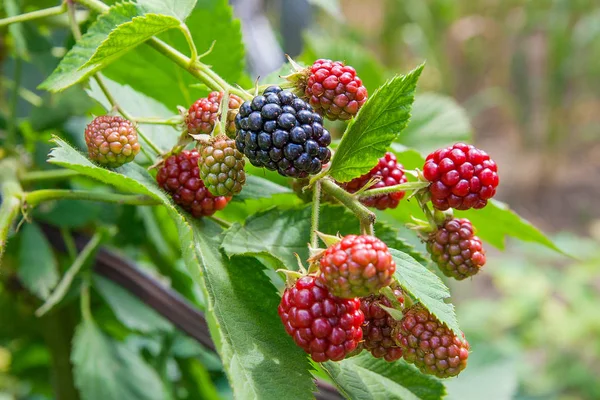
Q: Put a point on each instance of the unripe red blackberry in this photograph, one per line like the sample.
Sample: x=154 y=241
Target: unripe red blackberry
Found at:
x=461 y=177
x=180 y=177
x=222 y=167
x=111 y=141
x=325 y=326
x=334 y=90
x=203 y=114
x=357 y=266
x=378 y=328
x=455 y=249
x=429 y=344
x=390 y=173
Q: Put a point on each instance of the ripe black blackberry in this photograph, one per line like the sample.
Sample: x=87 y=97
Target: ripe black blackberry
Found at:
x=281 y=132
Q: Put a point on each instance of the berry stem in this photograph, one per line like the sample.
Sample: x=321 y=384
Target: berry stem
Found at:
x=36 y=197
x=50 y=175
x=46 y=12
x=223 y=111
x=365 y=216
x=221 y=222
x=190 y=41
x=173 y=121
x=11 y=203
x=314 y=226
x=393 y=189
x=427 y=212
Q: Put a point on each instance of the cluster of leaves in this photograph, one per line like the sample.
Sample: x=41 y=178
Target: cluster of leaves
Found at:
x=232 y=269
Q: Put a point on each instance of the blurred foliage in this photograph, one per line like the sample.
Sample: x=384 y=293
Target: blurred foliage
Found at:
x=538 y=312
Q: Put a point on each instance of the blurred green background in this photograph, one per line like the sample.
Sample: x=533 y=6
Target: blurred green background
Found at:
x=528 y=76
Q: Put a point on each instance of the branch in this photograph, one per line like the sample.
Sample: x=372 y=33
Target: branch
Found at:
x=393 y=189
x=11 y=203
x=47 y=12
x=365 y=216
x=34 y=198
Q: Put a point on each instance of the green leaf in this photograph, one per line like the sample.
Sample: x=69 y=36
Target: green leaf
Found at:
x=130 y=178
x=259 y=188
x=132 y=312
x=176 y=8
x=148 y=72
x=496 y=221
x=364 y=377
x=426 y=287
x=37 y=265
x=279 y=233
x=377 y=124
x=105 y=369
x=139 y=105
x=275 y=233
x=70 y=70
x=261 y=360
x=437 y=121
x=128 y=36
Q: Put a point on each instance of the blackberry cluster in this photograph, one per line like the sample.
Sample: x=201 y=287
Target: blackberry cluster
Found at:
x=334 y=90
x=390 y=173
x=357 y=266
x=379 y=326
x=111 y=141
x=325 y=326
x=281 y=132
x=222 y=167
x=455 y=249
x=180 y=177
x=203 y=114
x=461 y=177
x=429 y=344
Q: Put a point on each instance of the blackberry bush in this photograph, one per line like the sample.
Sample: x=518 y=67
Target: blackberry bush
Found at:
x=211 y=230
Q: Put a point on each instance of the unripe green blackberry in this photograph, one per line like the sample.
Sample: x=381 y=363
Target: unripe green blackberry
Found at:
x=222 y=167
x=111 y=141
